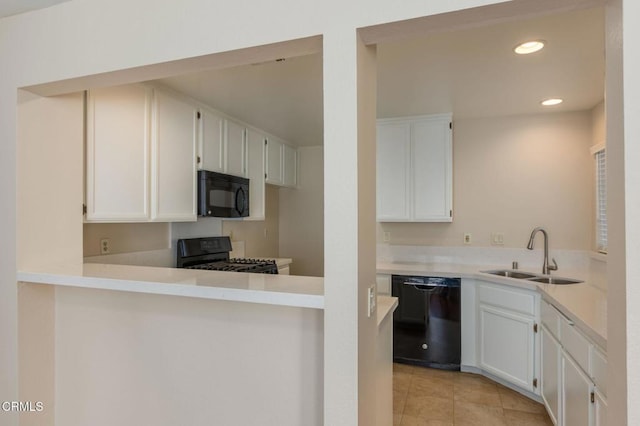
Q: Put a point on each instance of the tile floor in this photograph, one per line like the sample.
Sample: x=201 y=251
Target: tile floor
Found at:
x=425 y=396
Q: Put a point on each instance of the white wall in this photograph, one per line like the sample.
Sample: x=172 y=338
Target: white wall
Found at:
x=261 y=237
x=301 y=215
x=125 y=237
x=511 y=174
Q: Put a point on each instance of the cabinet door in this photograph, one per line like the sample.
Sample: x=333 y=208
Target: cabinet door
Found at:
x=600 y=409
x=576 y=394
x=256 y=143
x=173 y=159
x=551 y=358
x=506 y=345
x=235 y=149
x=211 y=141
x=392 y=172
x=289 y=165
x=431 y=165
x=274 y=161
x=118 y=154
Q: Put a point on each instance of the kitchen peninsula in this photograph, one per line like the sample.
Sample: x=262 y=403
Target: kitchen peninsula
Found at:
x=212 y=343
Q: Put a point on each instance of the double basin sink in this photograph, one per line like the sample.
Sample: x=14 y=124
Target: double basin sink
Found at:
x=510 y=273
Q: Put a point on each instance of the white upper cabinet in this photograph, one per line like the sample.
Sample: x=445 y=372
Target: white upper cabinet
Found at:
x=414 y=169
x=118 y=154
x=173 y=159
x=256 y=143
x=274 y=161
x=289 y=165
x=222 y=144
x=141 y=156
x=236 y=154
x=281 y=163
x=211 y=141
x=393 y=173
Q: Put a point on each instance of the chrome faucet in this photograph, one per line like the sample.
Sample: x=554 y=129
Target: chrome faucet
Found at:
x=545 y=264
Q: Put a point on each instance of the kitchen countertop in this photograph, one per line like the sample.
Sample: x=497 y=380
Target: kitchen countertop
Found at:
x=285 y=290
x=583 y=303
x=385 y=307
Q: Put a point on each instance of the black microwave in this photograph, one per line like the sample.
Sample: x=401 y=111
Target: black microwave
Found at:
x=221 y=195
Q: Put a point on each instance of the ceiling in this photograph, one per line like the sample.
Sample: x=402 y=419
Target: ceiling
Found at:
x=472 y=73
x=14 y=7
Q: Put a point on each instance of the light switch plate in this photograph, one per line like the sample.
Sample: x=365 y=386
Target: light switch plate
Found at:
x=497 y=238
x=371 y=298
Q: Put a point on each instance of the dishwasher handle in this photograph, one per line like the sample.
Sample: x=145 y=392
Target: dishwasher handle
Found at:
x=425 y=287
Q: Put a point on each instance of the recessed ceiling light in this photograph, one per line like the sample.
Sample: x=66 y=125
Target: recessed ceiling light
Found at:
x=551 y=102
x=529 y=47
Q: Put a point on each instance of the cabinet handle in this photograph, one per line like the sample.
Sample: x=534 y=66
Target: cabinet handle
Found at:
x=593 y=397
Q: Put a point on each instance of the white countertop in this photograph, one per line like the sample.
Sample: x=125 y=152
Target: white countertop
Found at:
x=583 y=303
x=385 y=307
x=285 y=290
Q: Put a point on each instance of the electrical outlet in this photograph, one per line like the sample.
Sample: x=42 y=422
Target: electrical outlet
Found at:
x=497 y=238
x=386 y=236
x=231 y=235
x=371 y=300
x=105 y=246
x=467 y=238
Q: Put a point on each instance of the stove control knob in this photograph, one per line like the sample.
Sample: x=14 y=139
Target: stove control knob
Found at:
x=425 y=346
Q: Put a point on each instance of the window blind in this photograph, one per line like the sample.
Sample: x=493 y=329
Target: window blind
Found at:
x=601 y=201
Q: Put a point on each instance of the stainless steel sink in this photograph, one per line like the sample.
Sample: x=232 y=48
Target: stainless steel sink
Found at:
x=510 y=273
x=554 y=280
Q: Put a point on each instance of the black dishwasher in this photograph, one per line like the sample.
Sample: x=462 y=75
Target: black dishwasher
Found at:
x=426 y=324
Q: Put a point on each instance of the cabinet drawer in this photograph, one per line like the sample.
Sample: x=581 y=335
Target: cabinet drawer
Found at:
x=550 y=318
x=514 y=300
x=598 y=369
x=574 y=343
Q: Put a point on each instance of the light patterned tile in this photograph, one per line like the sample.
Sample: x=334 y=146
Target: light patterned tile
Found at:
x=489 y=397
x=475 y=382
x=512 y=400
x=399 y=400
x=434 y=386
x=401 y=381
x=469 y=414
x=521 y=418
x=429 y=408
x=402 y=368
x=426 y=396
x=417 y=421
x=428 y=373
x=397 y=419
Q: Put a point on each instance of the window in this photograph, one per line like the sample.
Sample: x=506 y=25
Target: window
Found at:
x=601 y=198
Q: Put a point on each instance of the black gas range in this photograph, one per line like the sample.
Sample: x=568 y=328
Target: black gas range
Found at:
x=212 y=254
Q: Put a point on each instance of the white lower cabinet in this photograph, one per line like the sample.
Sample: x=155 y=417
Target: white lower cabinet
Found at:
x=550 y=364
x=507 y=345
x=506 y=333
x=576 y=394
x=573 y=371
x=600 y=409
